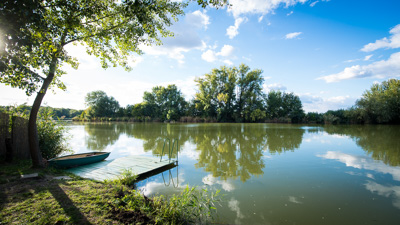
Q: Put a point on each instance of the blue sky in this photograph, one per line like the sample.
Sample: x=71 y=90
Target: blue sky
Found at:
x=328 y=52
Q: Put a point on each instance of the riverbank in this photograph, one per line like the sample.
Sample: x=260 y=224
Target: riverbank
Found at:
x=55 y=197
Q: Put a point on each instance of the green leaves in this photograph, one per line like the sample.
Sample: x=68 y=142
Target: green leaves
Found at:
x=284 y=105
x=231 y=94
x=381 y=103
x=35 y=33
x=52 y=135
x=166 y=103
x=101 y=105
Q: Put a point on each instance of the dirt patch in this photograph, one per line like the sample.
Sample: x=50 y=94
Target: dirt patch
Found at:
x=130 y=217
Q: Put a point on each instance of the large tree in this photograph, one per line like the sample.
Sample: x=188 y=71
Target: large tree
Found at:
x=167 y=103
x=231 y=93
x=250 y=96
x=34 y=34
x=216 y=94
x=101 y=105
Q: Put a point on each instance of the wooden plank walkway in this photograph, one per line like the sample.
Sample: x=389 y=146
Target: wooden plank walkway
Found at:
x=111 y=169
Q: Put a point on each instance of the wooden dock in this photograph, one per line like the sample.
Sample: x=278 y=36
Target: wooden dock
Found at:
x=111 y=169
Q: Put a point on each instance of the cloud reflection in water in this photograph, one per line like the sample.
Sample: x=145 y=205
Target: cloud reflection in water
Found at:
x=363 y=162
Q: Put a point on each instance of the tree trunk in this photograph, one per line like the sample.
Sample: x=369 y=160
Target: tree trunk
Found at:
x=37 y=160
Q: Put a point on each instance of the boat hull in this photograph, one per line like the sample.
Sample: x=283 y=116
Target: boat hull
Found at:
x=78 y=159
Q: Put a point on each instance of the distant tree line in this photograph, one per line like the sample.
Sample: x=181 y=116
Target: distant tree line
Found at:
x=57 y=113
x=378 y=105
x=236 y=95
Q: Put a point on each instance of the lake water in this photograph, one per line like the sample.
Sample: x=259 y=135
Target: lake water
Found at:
x=269 y=173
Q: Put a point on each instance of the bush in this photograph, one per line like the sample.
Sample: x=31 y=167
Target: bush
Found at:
x=52 y=135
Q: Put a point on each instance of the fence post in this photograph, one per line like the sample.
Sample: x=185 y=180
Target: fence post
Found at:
x=9 y=150
x=4 y=133
x=19 y=135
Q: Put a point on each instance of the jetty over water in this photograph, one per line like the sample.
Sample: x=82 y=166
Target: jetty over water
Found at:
x=111 y=169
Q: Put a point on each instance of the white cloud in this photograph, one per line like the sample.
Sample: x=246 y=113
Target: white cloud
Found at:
x=275 y=86
x=232 y=31
x=391 y=42
x=223 y=55
x=368 y=57
x=292 y=35
x=226 y=51
x=173 y=52
x=338 y=99
x=86 y=61
x=186 y=38
x=209 y=56
x=380 y=69
x=351 y=60
x=316 y=103
x=198 y=19
x=291 y=12
x=228 y=62
x=313 y=3
x=188 y=88
x=240 y=7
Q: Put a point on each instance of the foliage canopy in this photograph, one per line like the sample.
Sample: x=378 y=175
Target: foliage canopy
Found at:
x=34 y=35
x=101 y=105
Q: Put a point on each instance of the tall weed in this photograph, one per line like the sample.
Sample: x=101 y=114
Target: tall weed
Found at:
x=191 y=206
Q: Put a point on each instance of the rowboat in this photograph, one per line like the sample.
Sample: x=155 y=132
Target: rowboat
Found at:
x=78 y=159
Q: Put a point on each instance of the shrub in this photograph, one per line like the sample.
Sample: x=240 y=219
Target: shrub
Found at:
x=52 y=135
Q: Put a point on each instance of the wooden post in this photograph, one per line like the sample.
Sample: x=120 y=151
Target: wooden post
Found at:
x=20 y=143
x=4 y=133
x=9 y=152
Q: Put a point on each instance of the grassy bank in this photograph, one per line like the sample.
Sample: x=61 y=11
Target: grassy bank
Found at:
x=49 y=200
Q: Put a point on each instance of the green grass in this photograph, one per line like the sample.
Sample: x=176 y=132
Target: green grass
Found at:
x=44 y=200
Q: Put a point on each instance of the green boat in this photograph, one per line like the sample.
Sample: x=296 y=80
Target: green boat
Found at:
x=75 y=160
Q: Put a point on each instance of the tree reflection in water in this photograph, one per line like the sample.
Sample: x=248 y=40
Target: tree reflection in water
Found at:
x=232 y=150
x=381 y=142
x=225 y=150
x=101 y=135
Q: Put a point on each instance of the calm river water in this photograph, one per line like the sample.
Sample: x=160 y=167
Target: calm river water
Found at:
x=269 y=173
